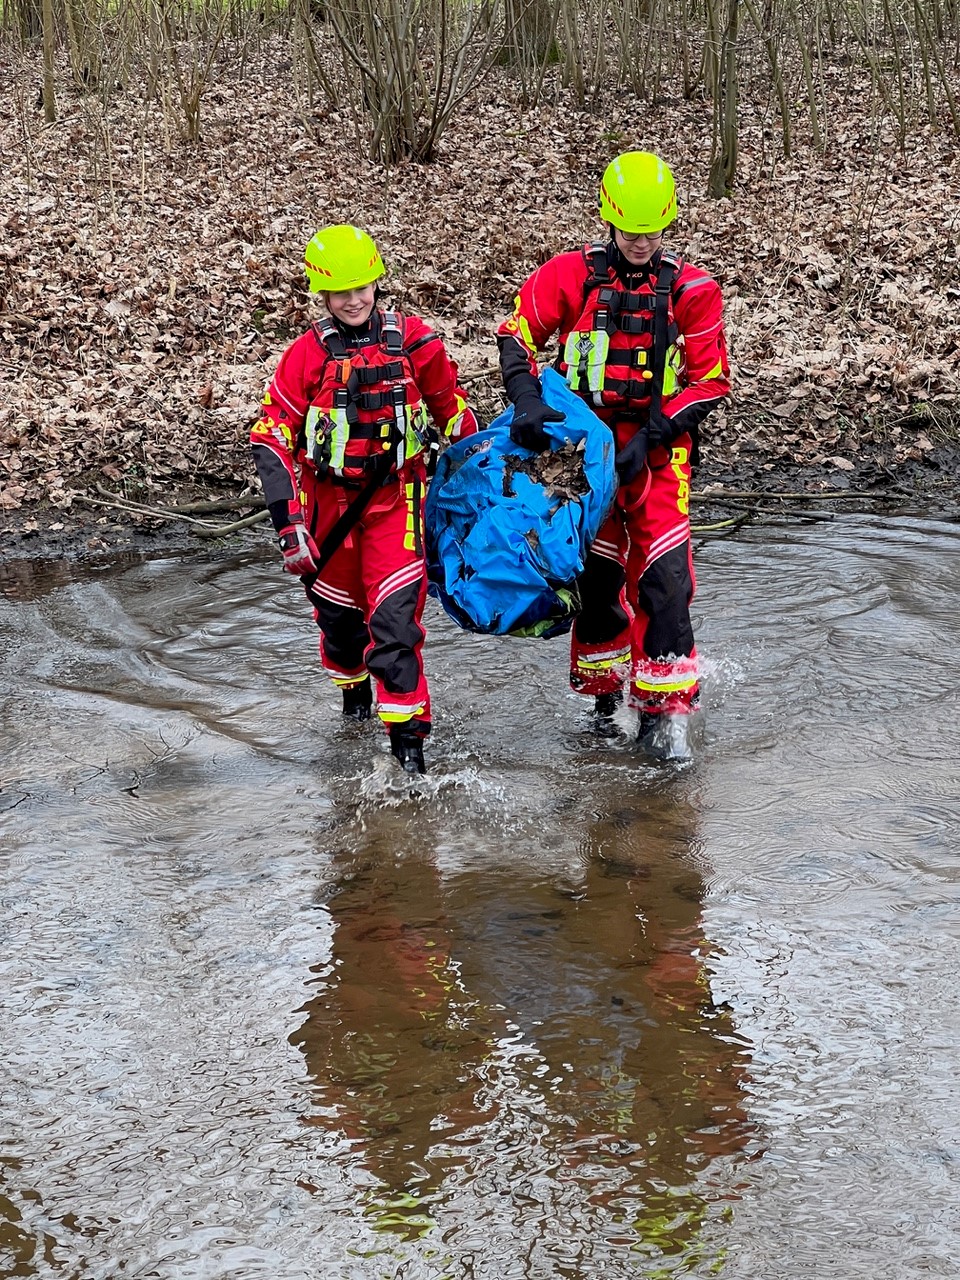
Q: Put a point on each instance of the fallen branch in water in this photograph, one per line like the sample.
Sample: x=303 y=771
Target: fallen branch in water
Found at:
x=136 y=508
x=733 y=523
x=218 y=531
x=202 y=528
x=211 y=505
x=707 y=495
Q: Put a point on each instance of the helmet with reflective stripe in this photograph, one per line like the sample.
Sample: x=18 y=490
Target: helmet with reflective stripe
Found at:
x=637 y=193
x=341 y=257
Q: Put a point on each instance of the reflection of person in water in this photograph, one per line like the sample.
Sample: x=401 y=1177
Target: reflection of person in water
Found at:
x=391 y=1039
x=643 y=1071
x=626 y=1079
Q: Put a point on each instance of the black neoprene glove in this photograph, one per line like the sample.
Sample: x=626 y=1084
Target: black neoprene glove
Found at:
x=529 y=415
x=629 y=461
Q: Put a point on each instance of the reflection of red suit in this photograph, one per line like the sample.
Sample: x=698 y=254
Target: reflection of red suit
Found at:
x=368 y=599
x=392 y=1039
x=641 y=558
x=452 y=1016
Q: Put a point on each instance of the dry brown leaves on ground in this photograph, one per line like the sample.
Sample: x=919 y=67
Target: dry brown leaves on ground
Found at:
x=148 y=287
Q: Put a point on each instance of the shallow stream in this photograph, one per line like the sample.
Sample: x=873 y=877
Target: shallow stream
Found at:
x=269 y=1010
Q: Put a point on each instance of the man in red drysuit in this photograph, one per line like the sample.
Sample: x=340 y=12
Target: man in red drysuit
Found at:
x=642 y=342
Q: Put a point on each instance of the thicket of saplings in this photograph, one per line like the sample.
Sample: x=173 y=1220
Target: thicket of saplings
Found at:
x=404 y=67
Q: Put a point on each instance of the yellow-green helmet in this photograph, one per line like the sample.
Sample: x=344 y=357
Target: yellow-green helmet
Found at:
x=637 y=193
x=341 y=257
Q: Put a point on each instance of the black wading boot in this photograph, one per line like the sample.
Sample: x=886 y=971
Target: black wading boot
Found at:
x=407 y=745
x=358 y=700
x=605 y=706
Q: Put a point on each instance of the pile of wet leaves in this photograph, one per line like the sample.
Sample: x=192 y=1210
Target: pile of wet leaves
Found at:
x=559 y=471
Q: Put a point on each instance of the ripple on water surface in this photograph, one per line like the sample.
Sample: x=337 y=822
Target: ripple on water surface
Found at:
x=271 y=1008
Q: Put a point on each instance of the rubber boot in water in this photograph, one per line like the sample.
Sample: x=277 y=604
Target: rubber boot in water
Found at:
x=665 y=736
x=407 y=746
x=358 y=700
x=605 y=707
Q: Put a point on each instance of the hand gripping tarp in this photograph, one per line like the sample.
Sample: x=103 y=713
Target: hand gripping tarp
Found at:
x=504 y=549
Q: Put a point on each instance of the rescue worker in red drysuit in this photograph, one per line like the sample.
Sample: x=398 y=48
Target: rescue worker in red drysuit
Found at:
x=652 y=370
x=345 y=426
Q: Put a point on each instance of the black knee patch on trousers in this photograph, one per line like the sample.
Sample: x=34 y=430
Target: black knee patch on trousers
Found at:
x=396 y=633
x=601 y=615
x=664 y=593
x=345 y=635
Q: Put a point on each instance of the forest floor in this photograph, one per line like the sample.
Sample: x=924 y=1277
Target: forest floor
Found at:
x=148 y=287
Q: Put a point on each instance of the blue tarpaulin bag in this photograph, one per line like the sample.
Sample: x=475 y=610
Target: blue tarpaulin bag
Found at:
x=508 y=530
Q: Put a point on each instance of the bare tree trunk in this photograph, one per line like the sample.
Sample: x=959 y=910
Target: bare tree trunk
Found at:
x=191 y=69
x=49 y=43
x=807 y=63
x=410 y=63
x=726 y=110
x=28 y=18
x=84 y=41
x=315 y=68
x=773 y=58
x=530 y=31
x=929 y=43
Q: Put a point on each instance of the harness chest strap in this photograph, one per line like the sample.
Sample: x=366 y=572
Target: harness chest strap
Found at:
x=587 y=353
x=327 y=435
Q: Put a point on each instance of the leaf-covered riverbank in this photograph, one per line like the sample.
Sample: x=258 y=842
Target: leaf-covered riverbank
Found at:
x=147 y=287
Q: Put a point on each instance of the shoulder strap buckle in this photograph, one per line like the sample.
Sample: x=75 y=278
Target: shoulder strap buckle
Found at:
x=595 y=257
x=670 y=266
x=392 y=333
x=326 y=333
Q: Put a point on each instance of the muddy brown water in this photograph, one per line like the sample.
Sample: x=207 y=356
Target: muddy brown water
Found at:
x=269 y=1011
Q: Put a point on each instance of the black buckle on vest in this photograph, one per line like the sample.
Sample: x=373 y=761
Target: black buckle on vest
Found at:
x=326 y=333
x=368 y=430
x=633 y=301
x=392 y=336
x=342 y=400
x=599 y=262
x=367 y=375
x=633 y=323
x=375 y=399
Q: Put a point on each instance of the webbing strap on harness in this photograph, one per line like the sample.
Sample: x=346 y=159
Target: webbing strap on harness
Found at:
x=329 y=337
x=392 y=333
x=667 y=273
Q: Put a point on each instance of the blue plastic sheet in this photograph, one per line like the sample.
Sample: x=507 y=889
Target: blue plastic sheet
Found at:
x=503 y=550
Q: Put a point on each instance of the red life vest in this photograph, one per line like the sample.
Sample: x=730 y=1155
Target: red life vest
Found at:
x=367 y=414
x=610 y=357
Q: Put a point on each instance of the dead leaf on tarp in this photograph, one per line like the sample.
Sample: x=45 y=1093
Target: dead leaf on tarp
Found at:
x=559 y=471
